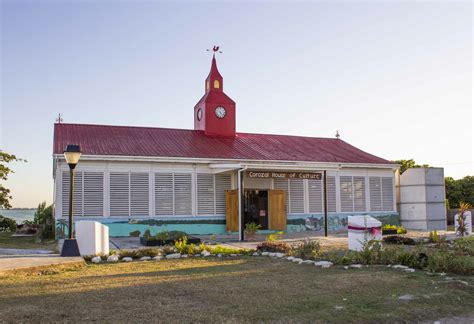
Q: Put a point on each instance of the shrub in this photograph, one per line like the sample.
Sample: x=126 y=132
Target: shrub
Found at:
x=7 y=224
x=168 y=249
x=399 y=229
x=273 y=246
x=464 y=245
x=135 y=233
x=128 y=253
x=44 y=218
x=181 y=245
x=396 y=239
x=306 y=250
x=274 y=237
x=147 y=235
x=203 y=247
x=151 y=252
x=462 y=225
x=252 y=228
x=371 y=253
x=219 y=249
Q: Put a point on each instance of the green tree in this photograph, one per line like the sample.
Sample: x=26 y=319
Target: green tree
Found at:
x=459 y=190
x=44 y=218
x=5 y=196
x=408 y=164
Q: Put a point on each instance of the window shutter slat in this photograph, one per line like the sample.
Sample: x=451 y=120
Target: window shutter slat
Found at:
x=223 y=183
x=93 y=194
x=331 y=187
x=359 y=194
x=347 y=204
x=164 y=194
x=139 y=193
x=205 y=193
x=375 y=194
x=119 y=194
x=296 y=196
x=387 y=193
x=315 y=195
x=182 y=194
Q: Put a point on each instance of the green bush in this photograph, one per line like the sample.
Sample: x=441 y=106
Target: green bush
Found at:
x=44 y=217
x=181 y=245
x=135 y=233
x=396 y=239
x=306 y=250
x=7 y=224
x=464 y=245
x=273 y=246
x=219 y=249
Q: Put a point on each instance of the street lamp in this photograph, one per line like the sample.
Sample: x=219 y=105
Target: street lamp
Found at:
x=72 y=153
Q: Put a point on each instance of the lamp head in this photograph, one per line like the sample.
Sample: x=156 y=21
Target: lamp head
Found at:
x=72 y=153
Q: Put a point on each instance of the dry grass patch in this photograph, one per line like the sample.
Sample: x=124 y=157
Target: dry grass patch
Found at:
x=232 y=289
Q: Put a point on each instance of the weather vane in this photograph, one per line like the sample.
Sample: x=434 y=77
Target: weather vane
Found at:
x=337 y=134
x=59 y=120
x=215 y=49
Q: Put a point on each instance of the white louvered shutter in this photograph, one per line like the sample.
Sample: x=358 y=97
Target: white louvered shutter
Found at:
x=347 y=203
x=331 y=187
x=387 y=193
x=375 y=194
x=119 y=194
x=223 y=183
x=296 y=196
x=139 y=193
x=163 y=194
x=282 y=184
x=315 y=196
x=77 y=211
x=205 y=193
x=93 y=194
x=182 y=194
x=359 y=194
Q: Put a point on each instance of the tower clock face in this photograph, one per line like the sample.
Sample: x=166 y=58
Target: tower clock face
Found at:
x=199 y=114
x=220 y=112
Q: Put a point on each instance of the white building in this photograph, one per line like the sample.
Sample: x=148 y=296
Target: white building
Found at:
x=173 y=179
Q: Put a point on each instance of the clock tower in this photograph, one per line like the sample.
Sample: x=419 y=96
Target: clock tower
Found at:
x=215 y=112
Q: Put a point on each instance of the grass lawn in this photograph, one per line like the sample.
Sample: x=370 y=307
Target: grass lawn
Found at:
x=25 y=242
x=246 y=289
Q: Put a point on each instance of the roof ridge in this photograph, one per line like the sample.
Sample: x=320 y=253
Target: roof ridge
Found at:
x=195 y=130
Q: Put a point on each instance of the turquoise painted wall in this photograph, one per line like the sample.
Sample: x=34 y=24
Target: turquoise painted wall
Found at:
x=216 y=225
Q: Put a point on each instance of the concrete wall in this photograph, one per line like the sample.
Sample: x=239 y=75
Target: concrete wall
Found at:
x=421 y=201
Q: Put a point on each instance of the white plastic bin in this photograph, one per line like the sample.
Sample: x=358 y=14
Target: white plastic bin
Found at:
x=468 y=222
x=92 y=237
x=361 y=229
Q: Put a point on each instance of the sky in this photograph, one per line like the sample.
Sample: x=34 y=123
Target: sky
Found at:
x=395 y=78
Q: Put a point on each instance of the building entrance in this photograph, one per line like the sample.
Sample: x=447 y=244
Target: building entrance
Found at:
x=256 y=207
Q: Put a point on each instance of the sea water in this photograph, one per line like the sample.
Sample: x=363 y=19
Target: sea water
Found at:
x=19 y=215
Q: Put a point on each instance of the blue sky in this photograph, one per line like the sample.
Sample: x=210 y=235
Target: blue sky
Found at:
x=395 y=78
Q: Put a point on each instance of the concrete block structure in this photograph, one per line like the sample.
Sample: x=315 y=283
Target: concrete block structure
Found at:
x=421 y=199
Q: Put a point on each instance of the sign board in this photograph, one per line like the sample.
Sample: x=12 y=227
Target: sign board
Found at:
x=284 y=175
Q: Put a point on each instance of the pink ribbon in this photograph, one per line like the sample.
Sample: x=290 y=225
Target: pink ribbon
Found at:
x=372 y=230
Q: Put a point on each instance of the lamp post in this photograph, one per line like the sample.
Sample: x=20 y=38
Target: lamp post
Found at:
x=72 y=153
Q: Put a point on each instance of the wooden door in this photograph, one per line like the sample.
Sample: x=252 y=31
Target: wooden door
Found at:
x=277 y=210
x=232 y=210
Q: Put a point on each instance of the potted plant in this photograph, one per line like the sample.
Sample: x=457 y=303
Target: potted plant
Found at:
x=251 y=229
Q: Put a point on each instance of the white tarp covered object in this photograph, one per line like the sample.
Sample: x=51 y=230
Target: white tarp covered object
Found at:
x=92 y=237
x=468 y=222
x=361 y=229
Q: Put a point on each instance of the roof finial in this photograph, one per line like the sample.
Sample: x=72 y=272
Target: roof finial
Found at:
x=59 y=120
x=214 y=50
x=337 y=134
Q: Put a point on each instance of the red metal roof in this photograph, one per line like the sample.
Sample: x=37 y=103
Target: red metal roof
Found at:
x=183 y=143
